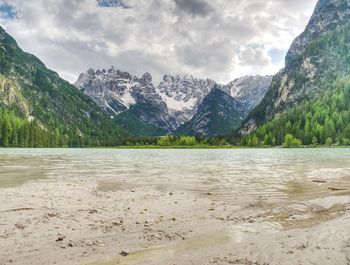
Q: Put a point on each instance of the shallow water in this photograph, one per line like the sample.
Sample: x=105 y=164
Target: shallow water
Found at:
x=264 y=174
x=239 y=195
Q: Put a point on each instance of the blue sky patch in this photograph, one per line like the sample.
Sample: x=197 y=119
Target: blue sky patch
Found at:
x=112 y=3
x=7 y=11
x=277 y=55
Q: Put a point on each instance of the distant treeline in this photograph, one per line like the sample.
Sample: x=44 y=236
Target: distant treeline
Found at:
x=20 y=132
x=16 y=131
x=174 y=141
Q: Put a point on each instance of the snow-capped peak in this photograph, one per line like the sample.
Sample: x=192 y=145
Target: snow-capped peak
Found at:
x=184 y=94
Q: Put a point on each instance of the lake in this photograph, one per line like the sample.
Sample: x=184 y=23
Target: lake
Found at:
x=86 y=206
x=225 y=172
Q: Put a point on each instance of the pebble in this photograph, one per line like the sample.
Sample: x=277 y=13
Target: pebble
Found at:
x=124 y=253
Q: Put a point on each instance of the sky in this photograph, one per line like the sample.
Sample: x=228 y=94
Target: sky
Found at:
x=220 y=40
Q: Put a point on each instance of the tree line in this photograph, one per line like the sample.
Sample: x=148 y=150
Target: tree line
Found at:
x=19 y=132
x=16 y=131
x=175 y=141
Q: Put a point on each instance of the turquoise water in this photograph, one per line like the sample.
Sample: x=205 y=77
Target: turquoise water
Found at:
x=225 y=173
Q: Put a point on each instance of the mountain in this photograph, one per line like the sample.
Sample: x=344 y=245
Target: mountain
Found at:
x=38 y=97
x=319 y=55
x=309 y=101
x=225 y=107
x=140 y=107
x=183 y=95
x=249 y=90
x=324 y=120
x=118 y=92
x=218 y=114
x=165 y=107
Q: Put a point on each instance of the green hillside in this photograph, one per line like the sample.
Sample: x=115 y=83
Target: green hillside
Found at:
x=39 y=97
x=323 y=120
x=322 y=114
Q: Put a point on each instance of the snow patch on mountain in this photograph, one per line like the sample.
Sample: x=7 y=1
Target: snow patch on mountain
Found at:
x=249 y=90
x=172 y=103
x=184 y=94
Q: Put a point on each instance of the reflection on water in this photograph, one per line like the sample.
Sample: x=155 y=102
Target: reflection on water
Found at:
x=264 y=174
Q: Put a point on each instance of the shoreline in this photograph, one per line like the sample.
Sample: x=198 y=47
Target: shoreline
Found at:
x=81 y=221
x=183 y=147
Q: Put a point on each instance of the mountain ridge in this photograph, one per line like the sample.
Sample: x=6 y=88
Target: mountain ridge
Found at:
x=217 y=114
x=175 y=100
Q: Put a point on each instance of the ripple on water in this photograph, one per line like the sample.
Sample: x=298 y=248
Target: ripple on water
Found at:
x=265 y=176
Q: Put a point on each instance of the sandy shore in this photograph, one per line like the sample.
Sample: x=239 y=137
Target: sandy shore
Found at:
x=81 y=221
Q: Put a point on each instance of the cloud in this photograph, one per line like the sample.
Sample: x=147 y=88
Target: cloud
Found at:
x=194 y=7
x=219 y=41
x=255 y=57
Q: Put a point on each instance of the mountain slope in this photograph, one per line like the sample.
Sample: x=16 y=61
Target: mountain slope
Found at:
x=223 y=112
x=38 y=94
x=218 y=114
x=322 y=120
x=249 y=90
x=319 y=55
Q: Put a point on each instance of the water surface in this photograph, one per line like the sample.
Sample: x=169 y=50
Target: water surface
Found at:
x=225 y=173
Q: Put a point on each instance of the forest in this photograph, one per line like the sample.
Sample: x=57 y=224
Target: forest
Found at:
x=18 y=132
x=321 y=121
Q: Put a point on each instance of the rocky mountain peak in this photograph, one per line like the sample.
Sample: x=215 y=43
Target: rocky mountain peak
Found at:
x=217 y=114
x=183 y=93
x=91 y=71
x=146 y=78
x=116 y=92
x=327 y=15
x=249 y=90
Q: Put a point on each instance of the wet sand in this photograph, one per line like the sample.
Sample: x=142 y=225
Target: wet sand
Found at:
x=86 y=221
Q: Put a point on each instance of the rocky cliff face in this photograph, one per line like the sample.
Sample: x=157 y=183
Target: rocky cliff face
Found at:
x=313 y=60
x=249 y=90
x=109 y=89
x=183 y=95
x=174 y=102
x=327 y=16
x=117 y=92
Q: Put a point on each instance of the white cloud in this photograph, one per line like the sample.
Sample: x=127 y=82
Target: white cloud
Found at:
x=255 y=57
x=220 y=40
